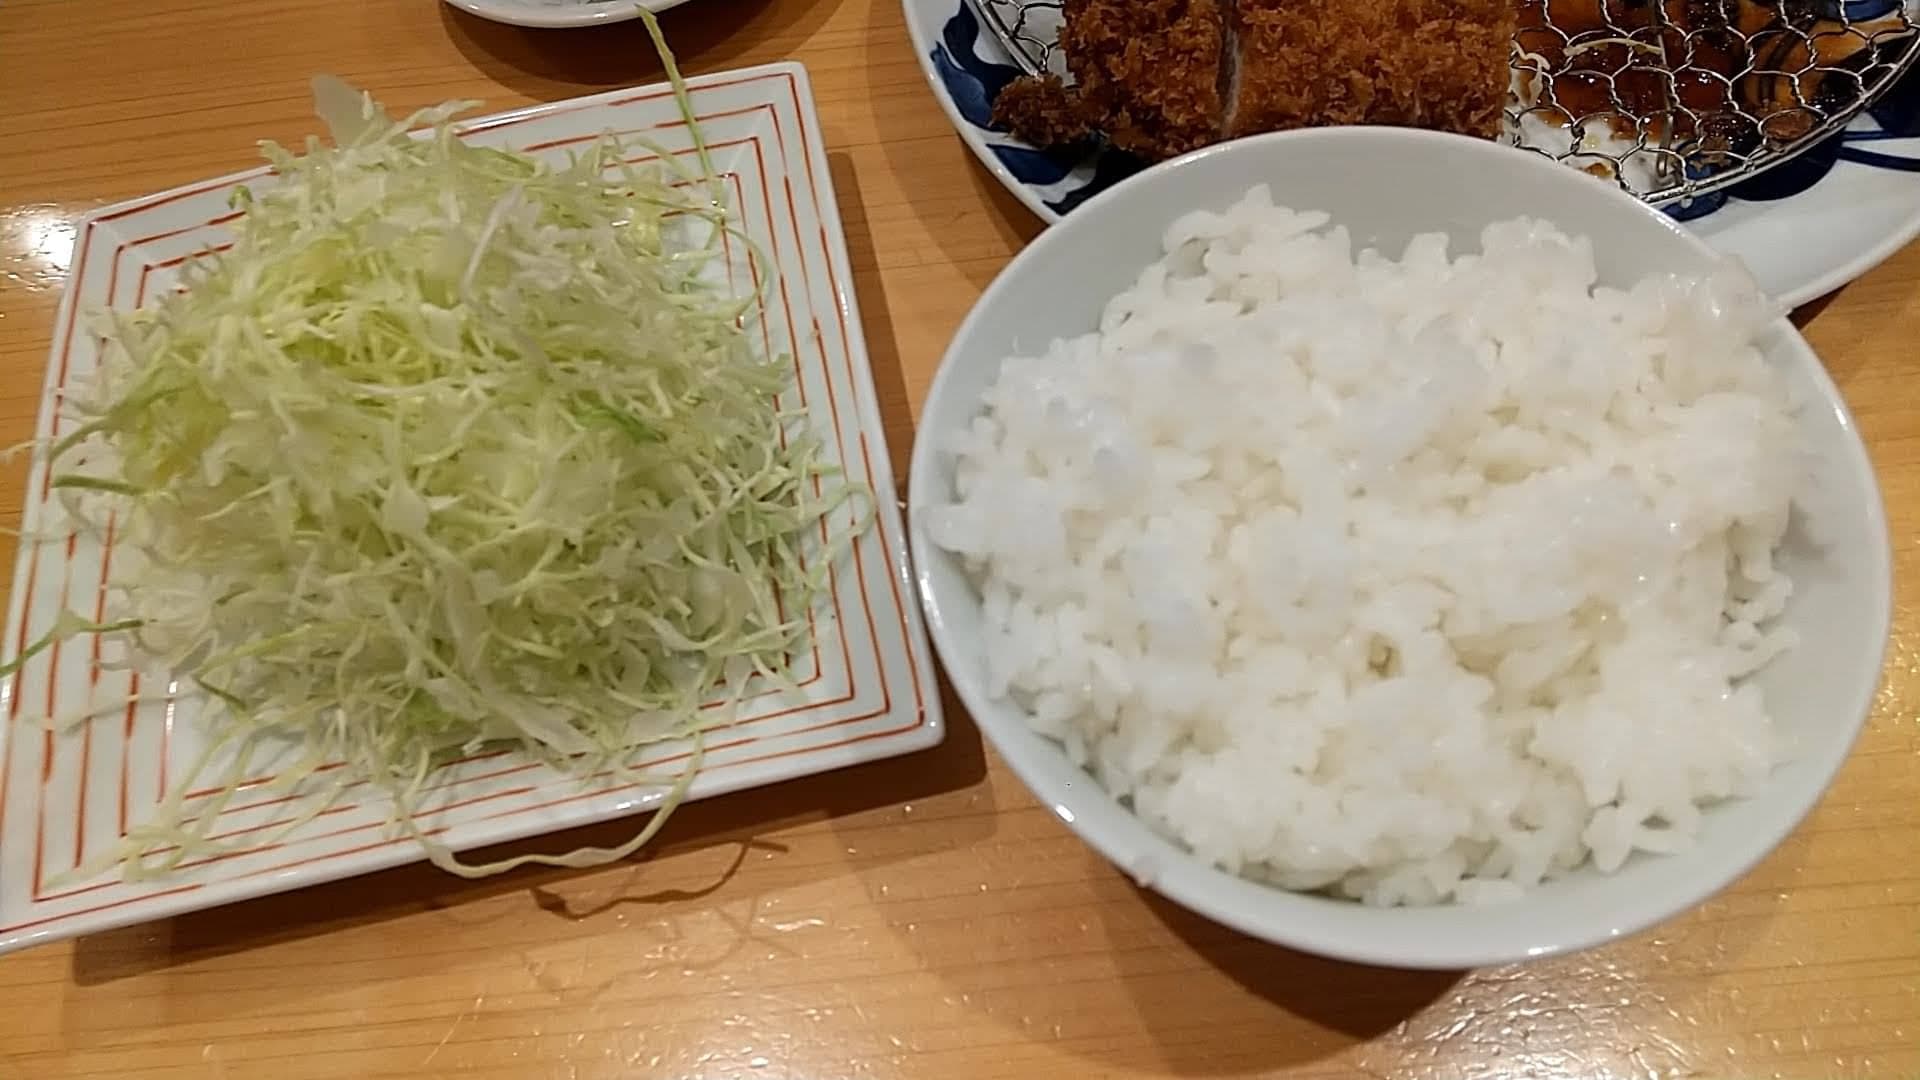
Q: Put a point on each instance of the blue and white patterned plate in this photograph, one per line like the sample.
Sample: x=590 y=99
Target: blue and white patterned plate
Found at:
x=1804 y=228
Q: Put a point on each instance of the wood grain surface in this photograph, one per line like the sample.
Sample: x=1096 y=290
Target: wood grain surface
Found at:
x=918 y=918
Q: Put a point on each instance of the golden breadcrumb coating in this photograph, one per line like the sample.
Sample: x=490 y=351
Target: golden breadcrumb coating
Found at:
x=1161 y=77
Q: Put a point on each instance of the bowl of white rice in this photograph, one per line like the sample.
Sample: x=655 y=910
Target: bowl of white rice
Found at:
x=1400 y=548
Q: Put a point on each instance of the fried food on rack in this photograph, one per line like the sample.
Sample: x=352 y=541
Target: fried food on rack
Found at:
x=1042 y=111
x=1161 y=77
x=1439 y=64
x=1147 y=72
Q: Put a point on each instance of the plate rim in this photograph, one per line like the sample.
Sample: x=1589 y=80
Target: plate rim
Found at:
x=1855 y=268
x=559 y=16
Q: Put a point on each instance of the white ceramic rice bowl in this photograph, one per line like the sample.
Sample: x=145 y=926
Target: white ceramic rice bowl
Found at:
x=1387 y=185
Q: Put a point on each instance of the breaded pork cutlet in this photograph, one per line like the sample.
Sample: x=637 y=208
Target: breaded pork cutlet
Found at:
x=1147 y=75
x=1042 y=111
x=1147 y=72
x=1161 y=77
x=1439 y=64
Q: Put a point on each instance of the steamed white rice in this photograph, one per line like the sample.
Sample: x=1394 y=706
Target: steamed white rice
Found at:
x=1415 y=580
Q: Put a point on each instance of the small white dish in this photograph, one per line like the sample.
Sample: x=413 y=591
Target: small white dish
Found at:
x=866 y=692
x=1819 y=693
x=560 y=14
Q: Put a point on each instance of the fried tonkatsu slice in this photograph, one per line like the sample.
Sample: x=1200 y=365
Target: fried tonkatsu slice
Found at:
x=1147 y=72
x=1146 y=75
x=1438 y=64
x=1161 y=77
x=1042 y=111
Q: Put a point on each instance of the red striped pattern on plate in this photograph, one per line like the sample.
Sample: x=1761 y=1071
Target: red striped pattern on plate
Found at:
x=867 y=694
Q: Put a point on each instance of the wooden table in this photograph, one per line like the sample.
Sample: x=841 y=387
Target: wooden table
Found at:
x=920 y=918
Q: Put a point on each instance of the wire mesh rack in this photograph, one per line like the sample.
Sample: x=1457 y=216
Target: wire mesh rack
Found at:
x=1669 y=98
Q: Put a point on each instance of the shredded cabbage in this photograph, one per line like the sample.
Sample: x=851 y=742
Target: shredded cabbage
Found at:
x=453 y=449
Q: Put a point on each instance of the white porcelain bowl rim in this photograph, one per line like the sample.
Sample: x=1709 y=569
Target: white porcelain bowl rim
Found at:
x=557 y=15
x=1445 y=936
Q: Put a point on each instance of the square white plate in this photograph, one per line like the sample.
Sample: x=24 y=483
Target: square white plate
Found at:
x=866 y=691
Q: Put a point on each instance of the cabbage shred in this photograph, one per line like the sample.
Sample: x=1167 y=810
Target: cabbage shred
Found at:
x=454 y=449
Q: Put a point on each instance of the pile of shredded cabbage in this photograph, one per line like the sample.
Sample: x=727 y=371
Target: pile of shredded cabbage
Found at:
x=454 y=449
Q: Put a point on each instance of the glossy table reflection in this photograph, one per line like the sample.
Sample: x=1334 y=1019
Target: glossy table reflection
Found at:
x=920 y=918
